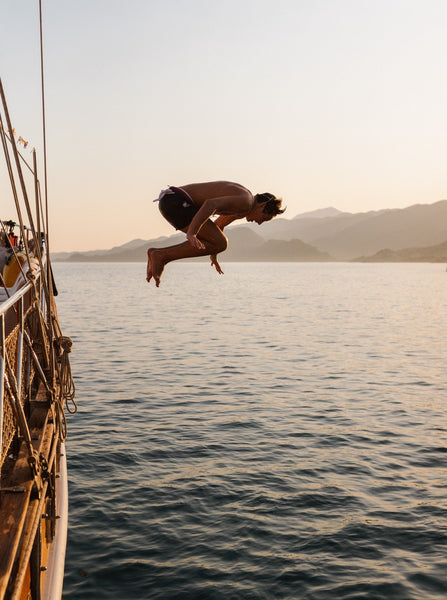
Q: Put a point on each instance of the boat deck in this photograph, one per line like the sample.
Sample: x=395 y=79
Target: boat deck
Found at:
x=21 y=493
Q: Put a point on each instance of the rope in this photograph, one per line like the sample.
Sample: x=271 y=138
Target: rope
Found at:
x=66 y=382
x=12 y=180
x=20 y=176
x=67 y=388
x=42 y=77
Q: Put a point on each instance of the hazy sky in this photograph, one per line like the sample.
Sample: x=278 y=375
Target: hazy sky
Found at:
x=323 y=102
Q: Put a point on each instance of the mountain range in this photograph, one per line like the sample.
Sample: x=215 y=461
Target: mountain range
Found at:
x=417 y=233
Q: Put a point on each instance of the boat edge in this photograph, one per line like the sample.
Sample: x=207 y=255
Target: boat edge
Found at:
x=54 y=576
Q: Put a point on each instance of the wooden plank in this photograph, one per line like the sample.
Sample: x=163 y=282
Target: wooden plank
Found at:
x=13 y=513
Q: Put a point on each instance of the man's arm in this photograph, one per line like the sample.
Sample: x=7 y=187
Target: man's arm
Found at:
x=221 y=221
x=224 y=220
x=229 y=205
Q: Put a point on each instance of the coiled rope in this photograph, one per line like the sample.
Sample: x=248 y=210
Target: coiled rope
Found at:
x=66 y=382
x=67 y=388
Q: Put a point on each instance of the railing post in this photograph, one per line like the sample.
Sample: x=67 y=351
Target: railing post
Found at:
x=20 y=350
x=2 y=378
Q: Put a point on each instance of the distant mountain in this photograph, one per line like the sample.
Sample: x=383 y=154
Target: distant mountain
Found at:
x=328 y=234
x=415 y=226
x=321 y=213
x=434 y=254
x=244 y=245
x=134 y=251
x=310 y=229
x=348 y=235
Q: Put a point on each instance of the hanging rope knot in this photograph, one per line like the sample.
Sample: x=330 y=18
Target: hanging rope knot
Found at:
x=65 y=343
x=30 y=275
x=67 y=390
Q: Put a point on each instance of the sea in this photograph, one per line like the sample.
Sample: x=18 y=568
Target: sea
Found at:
x=277 y=432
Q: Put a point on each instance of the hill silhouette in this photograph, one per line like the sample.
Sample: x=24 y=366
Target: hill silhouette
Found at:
x=436 y=253
x=415 y=233
x=347 y=236
x=244 y=245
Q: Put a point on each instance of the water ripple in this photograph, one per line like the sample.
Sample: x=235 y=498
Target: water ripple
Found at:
x=286 y=443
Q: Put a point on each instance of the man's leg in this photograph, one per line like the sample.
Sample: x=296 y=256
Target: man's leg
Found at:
x=210 y=235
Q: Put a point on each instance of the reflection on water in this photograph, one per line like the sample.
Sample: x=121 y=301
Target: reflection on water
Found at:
x=277 y=432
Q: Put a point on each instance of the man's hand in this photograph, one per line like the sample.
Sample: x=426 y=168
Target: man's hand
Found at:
x=215 y=264
x=195 y=242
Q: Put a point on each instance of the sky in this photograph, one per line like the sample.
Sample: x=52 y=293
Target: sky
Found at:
x=322 y=102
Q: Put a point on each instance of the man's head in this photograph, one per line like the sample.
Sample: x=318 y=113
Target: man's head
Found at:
x=269 y=206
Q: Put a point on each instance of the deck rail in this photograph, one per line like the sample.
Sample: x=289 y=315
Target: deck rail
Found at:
x=19 y=361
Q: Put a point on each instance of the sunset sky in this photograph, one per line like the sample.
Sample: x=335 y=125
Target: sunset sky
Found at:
x=323 y=102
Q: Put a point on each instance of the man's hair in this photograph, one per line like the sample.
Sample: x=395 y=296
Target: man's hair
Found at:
x=273 y=204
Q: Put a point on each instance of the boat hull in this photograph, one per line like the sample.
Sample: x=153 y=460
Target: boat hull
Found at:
x=54 y=576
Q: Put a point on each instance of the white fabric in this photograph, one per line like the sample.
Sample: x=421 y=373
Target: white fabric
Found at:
x=164 y=193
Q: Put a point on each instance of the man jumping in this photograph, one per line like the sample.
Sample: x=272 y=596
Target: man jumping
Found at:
x=189 y=208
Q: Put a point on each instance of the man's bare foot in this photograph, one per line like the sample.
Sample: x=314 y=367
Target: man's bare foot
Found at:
x=155 y=265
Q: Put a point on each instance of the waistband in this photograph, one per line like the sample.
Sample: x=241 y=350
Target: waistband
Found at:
x=173 y=190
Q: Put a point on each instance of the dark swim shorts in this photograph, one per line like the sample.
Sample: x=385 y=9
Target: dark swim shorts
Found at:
x=177 y=208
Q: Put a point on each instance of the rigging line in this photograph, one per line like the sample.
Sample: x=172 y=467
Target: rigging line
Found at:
x=25 y=162
x=16 y=199
x=44 y=124
x=37 y=235
x=22 y=183
x=36 y=199
x=45 y=178
x=37 y=192
x=7 y=156
x=41 y=227
x=5 y=137
x=14 y=189
x=20 y=175
x=23 y=187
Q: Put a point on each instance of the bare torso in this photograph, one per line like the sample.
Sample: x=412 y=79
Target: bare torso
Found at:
x=239 y=199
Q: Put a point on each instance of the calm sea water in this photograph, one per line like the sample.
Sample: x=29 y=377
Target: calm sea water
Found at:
x=278 y=432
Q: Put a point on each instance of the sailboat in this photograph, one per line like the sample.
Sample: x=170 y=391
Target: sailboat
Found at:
x=36 y=388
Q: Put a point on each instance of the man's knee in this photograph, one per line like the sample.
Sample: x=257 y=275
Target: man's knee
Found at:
x=213 y=237
x=221 y=244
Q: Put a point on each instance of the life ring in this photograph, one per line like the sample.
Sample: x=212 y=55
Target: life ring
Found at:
x=12 y=269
